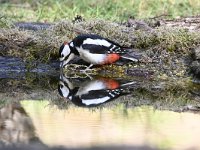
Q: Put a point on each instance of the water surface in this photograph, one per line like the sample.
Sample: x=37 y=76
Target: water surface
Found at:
x=80 y=127
x=88 y=111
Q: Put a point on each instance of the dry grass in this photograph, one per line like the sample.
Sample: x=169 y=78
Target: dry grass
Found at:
x=44 y=45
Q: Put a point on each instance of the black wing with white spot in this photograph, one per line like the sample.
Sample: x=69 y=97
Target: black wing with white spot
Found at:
x=97 y=44
x=100 y=49
x=97 y=97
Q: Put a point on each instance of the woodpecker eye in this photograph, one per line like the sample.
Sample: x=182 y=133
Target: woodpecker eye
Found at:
x=62 y=55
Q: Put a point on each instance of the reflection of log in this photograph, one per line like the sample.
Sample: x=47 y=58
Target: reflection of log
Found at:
x=16 y=126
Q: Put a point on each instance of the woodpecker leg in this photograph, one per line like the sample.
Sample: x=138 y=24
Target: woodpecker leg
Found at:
x=88 y=68
x=87 y=71
x=91 y=78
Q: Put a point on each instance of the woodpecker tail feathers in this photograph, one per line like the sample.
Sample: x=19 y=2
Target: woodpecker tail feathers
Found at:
x=126 y=88
x=132 y=55
x=128 y=84
x=130 y=58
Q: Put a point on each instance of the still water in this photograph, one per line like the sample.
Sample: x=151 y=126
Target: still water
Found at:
x=83 y=127
x=84 y=112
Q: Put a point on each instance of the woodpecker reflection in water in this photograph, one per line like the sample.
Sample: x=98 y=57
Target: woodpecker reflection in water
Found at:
x=91 y=93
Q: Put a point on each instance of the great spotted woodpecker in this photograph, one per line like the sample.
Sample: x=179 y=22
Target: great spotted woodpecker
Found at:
x=93 y=49
x=93 y=92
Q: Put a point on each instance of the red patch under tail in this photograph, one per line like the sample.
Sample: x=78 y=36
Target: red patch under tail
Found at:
x=111 y=58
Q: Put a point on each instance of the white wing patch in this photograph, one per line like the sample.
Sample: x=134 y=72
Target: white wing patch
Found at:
x=95 y=101
x=97 y=42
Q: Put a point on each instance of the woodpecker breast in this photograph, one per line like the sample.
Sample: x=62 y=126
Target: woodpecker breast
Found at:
x=92 y=58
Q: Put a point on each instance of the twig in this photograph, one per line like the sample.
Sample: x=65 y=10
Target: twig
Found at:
x=162 y=15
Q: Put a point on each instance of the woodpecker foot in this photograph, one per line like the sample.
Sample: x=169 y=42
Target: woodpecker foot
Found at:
x=87 y=69
x=88 y=75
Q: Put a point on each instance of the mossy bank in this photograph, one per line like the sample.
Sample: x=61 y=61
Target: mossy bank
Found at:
x=164 y=49
x=169 y=54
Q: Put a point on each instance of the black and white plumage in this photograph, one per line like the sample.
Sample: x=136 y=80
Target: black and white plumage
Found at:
x=93 y=49
x=94 y=92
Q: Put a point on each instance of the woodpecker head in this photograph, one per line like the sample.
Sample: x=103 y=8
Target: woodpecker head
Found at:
x=65 y=53
x=65 y=87
x=63 y=90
